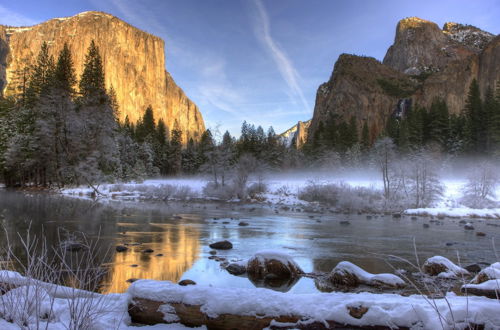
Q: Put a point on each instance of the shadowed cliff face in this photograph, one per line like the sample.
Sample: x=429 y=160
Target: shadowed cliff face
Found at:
x=423 y=64
x=356 y=89
x=134 y=64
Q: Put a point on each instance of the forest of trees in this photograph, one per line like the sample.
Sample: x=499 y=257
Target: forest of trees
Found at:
x=56 y=130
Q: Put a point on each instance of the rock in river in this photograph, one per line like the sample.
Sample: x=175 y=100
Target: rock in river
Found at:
x=222 y=245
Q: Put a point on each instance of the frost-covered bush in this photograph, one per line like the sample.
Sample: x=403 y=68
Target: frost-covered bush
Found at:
x=256 y=188
x=219 y=191
x=162 y=192
x=345 y=197
x=480 y=190
x=283 y=191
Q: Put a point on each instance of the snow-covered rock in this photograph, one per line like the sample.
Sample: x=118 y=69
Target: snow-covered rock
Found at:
x=443 y=267
x=491 y=272
x=272 y=264
x=348 y=274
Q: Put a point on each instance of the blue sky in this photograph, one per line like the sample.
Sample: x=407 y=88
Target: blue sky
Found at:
x=260 y=60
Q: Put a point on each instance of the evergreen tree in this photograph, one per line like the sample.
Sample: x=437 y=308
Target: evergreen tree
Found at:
x=92 y=80
x=175 y=158
x=490 y=107
x=438 y=128
x=473 y=111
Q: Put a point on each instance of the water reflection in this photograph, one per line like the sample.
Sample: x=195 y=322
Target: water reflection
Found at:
x=176 y=249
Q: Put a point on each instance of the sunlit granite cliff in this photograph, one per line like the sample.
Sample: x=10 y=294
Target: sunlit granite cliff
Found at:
x=134 y=63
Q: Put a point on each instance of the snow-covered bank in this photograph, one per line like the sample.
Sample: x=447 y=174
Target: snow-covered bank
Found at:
x=390 y=310
x=282 y=189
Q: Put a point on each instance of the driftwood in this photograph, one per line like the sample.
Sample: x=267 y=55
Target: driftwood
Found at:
x=145 y=311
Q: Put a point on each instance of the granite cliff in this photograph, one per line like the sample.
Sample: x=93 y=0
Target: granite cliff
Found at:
x=296 y=135
x=424 y=63
x=134 y=64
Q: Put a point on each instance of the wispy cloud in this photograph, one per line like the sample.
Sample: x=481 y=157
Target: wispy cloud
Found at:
x=285 y=65
x=8 y=17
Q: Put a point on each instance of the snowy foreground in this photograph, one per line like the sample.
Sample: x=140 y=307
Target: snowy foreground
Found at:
x=284 y=189
x=111 y=311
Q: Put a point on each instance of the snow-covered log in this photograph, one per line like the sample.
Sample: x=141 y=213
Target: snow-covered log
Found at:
x=154 y=302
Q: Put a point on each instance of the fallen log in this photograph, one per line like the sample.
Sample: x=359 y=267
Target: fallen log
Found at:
x=145 y=311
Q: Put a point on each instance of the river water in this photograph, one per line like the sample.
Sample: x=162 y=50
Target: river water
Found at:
x=179 y=234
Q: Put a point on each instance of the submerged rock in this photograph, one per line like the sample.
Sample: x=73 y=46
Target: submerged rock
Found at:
x=187 y=282
x=121 y=248
x=222 y=245
x=469 y=226
x=243 y=223
x=236 y=269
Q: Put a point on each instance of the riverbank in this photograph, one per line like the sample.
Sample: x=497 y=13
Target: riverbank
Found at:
x=285 y=191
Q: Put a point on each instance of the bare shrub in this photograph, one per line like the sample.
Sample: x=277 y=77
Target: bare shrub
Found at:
x=344 y=197
x=67 y=274
x=419 y=178
x=480 y=190
x=213 y=190
x=256 y=188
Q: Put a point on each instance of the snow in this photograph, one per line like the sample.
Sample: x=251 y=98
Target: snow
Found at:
x=452 y=269
x=414 y=311
x=346 y=267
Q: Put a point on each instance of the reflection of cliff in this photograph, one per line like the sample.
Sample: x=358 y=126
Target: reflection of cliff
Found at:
x=179 y=246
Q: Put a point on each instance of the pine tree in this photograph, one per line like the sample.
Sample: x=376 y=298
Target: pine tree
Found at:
x=175 y=150
x=41 y=75
x=438 y=128
x=92 y=80
x=474 y=115
x=64 y=74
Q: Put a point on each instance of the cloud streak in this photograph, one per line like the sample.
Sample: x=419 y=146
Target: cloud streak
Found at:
x=285 y=66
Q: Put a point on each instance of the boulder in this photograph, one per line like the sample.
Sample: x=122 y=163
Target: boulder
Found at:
x=348 y=274
x=491 y=272
x=222 y=245
x=443 y=267
x=187 y=282
x=272 y=265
